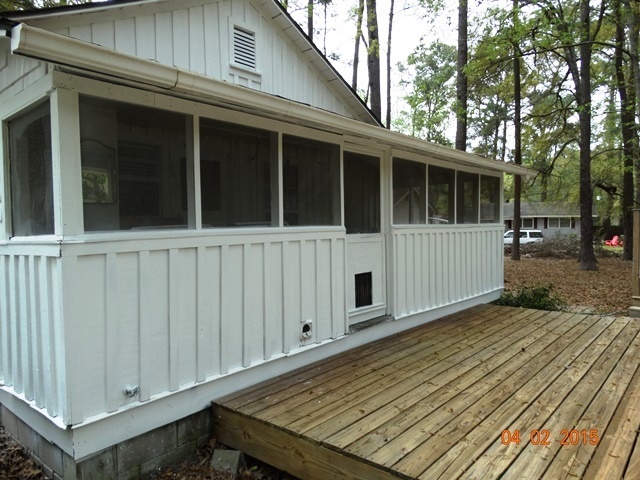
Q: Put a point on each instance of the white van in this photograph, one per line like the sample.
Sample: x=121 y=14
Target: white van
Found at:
x=526 y=236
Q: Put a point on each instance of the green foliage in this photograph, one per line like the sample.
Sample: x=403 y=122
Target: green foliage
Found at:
x=538 y=297
x=431 y=70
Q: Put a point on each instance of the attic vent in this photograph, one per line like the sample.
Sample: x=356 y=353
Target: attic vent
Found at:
x=244 y=48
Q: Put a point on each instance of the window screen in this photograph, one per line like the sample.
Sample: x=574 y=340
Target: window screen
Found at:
x=31 y=177
x=133 y=166
x=235 y=175
x=361 y=193
x=467 y=197
x=409 y=179
x=489 y=199
x=441 y=195
x=311 y=182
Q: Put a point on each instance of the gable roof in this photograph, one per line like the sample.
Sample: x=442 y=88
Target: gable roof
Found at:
x=543 y=209
x=272 y=9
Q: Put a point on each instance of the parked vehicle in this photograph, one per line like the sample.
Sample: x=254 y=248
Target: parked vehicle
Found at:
x=526 y=236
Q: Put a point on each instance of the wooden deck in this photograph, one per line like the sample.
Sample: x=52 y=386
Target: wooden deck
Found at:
x=434 y=402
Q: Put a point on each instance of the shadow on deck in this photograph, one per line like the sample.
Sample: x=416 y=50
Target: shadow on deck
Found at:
x=435 y=402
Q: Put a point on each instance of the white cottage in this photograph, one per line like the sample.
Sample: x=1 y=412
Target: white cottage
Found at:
x=192 y=200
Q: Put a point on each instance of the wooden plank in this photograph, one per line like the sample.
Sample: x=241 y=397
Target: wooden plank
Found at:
x=443 y=388
x=355 y=358
x=616 y=445
x=428 y=440
x=633 y=467
x=563 y=410
x=414 y=422
x=521 y=411
x=295 y=455
x=572 y=460
x=355 y=379
x=421 y=378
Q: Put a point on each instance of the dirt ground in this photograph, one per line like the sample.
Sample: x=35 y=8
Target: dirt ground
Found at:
x=606 y=291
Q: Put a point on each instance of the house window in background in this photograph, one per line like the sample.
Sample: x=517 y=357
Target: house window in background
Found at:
x=526 y=223
x=31 y=175
x=559 y=222
x=409 y=202
x=133 y=166
x=489 y=199
x=311 y=182
x=441 y=187
x=467 y=197
x=235 y=175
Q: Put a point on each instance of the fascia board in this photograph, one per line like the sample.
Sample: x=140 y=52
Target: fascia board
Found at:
x=59 y=49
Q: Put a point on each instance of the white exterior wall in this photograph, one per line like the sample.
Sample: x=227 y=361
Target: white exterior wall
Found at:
x=17 y=73
x=167 y=314
x=440 y=266
x=198 y=38
x=32 y=344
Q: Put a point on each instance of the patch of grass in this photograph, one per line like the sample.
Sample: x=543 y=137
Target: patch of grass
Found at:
x=538 y=297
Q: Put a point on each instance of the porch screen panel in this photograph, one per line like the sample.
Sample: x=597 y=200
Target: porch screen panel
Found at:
x=133 y=166
x=361 y=193
x=489 y=199
x=311 y=182
x=409 y=182
x=467 y=197
x=31 y=175
x=235 y=175
x=441 y=187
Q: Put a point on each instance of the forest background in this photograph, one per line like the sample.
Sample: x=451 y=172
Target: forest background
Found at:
x=550 y=84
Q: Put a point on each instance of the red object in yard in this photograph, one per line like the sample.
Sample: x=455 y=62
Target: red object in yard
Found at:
x=614 y=242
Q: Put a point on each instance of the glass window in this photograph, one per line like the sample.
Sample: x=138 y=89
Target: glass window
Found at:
x=409 y=200
x=311 y=182
x=133 y=166
x=441 y=195
x=489 y=199
x=361 y=193
x=31 y=176
x=235 y=175
x=467 y=197
x=565 y=222
x=526 y=223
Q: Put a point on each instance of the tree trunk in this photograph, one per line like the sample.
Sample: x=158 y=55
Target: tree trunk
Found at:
x=356 y=53
x=388 y=122
x=461 y=82
x=310 y=19
x=373 y=59
x=587 y=257
x=517 y=152
x=627 y=120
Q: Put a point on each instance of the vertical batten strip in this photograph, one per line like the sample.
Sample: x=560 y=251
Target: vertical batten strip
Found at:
x=318 y=297
x=22 y=320
x=286 y=296
x=245 y=319
x=204 y=306
x=174 y=319
x=111 y=333
x=5 y=341
x=224 y=310
x=266 y=300
x=35 y=333
x=145 y=298
x=216 y=340
x=46 y=348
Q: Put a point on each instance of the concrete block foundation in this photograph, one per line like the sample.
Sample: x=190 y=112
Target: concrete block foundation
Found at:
x=126 y=460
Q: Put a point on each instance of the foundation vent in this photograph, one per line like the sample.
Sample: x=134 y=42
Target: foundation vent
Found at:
x=364 y=289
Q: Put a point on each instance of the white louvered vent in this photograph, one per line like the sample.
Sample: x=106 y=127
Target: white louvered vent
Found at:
x=244 y=48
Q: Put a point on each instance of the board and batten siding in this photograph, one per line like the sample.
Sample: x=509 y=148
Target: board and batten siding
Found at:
x=32 y=344
x=198 y=38
x=164 y=315
x=434 y=267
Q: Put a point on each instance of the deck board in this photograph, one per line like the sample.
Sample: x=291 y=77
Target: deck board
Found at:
x=432 y=402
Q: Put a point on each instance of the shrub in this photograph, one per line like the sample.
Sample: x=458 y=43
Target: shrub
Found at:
x=538 y=297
